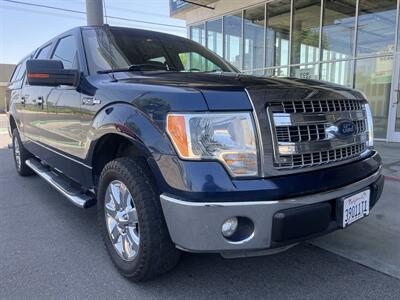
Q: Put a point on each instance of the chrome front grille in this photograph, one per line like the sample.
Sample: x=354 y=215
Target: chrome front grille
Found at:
x=323 y=157
x=310 y=132
x=315 y=106
x=305 y=133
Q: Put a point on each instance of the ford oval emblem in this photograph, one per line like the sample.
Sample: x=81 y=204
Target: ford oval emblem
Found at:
x=345 y=128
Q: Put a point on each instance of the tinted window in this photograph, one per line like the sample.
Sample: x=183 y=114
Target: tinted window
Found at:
x=66 y=51
x=305 y=35
x=19 y=71
x=22 y=70
x=124 y=47
x=233 y=39
x=194 y=62
x=277 y=35
x=214 y=36
x=376 y=26
x=15 y=73
x=197 y=34
x=339 y=72
x=44 y=52
x=254 y=26
x=338 y=31
x=374 y=78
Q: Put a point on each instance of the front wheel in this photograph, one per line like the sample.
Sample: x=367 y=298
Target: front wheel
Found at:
x=131 y=221
x=20 y=155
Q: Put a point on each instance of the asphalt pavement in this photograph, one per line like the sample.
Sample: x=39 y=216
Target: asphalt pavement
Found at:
x=51 y=249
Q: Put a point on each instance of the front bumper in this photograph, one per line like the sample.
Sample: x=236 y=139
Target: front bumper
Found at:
x=196 y=227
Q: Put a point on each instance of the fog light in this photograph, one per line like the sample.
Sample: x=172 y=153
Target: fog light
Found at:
x=229 y=227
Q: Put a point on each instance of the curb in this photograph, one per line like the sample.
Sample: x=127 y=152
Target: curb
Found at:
x=392 y=178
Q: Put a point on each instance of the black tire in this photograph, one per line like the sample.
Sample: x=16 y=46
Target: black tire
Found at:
x=24 y=154
x=156 y=253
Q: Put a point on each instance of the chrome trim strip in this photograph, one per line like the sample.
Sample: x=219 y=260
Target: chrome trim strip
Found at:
x=308 y=199
x=287 y=119
x=56 y=152
x=325 y=145
x=259 y=136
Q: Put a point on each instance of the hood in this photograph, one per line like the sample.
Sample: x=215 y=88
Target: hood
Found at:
x=231 y=91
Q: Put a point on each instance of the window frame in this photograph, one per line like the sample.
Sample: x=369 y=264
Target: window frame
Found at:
x=39 y=50
x=15 y=72
x=57 y=42
x=20 y=80
x=173 y=59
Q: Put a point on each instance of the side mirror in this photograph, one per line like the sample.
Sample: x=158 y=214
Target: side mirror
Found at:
x=47 y=72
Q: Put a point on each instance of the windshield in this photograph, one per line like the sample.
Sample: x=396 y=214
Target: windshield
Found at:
x=121 y=48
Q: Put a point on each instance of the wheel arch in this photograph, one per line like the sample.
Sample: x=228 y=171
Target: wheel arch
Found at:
x=12 y=123
x=112 y=146
x=121 y=129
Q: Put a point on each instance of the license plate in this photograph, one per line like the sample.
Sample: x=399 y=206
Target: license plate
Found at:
x=355 y=207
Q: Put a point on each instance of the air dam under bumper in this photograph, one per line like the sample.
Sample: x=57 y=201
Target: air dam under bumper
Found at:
x=196 y=227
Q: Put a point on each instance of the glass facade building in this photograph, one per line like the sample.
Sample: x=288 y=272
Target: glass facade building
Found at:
x=348 y=42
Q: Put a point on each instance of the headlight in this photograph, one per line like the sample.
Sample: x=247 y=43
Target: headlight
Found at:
x=226 y=137
x=370 y=142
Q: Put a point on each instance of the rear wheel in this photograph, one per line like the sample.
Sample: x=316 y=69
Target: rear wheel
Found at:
x=131 y=221
x=20 y=155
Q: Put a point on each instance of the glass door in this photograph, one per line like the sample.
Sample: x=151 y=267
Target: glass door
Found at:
x=394 y=110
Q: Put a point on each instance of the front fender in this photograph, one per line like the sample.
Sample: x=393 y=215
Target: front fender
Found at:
x=126 y=120
x=130 y=122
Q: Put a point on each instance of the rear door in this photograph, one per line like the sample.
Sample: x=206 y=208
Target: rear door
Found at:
x=16 y=96
x=13 y=96
x=55 y=120
x=33 y=97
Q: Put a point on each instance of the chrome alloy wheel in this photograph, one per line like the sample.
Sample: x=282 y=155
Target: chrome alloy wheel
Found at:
x=17 y=152
x=122 y=220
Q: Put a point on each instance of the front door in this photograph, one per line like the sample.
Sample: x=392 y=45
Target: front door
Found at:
x=394 y=108
x=63 y=126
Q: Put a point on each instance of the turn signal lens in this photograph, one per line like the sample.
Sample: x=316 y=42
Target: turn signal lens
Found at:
x=226 y=137
x=240 y=163
x=176 y=128
x=37 y=75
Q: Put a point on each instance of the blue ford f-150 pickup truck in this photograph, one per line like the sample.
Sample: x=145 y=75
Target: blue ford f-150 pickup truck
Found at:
x=182 y=152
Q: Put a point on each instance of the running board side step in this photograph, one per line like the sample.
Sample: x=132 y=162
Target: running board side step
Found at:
x=65 y=186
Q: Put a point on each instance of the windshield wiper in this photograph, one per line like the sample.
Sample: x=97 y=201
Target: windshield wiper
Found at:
x=138 y=67
x=214 y=71
x=220 y=72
